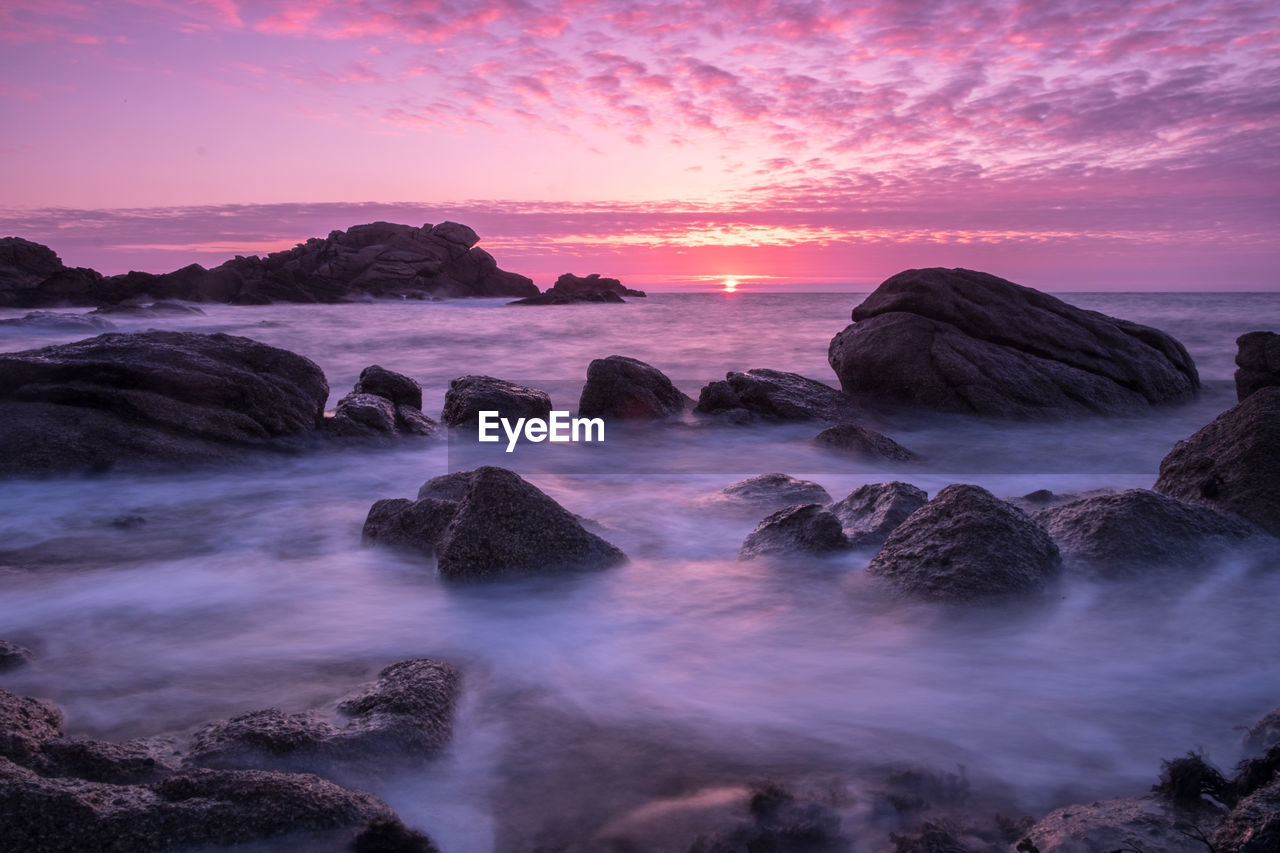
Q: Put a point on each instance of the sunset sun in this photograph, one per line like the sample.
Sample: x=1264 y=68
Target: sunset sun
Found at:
x=730 y=285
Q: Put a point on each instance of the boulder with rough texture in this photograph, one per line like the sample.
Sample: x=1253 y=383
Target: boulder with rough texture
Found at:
x=408 y=713
x=774 y=395
x=383 y=404
x=1253 y=826
x=1139 y=529
x=1232 y=464
x=570 y=288
x=1258 y=360
x=774 y=491
x=870 y=513
x=1133 y=823
x=628 y=389
x=856 y=440
x=807 y=529
x=399 y=389
x=966 y=544
x=13 y=656
x=501 y=525
x=151 y=398
x=33 y=276
x=956 y=340
x=26 y=725
x=52 y=321
x=469 y=395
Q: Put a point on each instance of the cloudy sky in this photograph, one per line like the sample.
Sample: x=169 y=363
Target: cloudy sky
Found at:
x=1075 y=144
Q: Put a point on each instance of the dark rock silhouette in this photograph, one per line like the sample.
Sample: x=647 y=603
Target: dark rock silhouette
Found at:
x=151 y=398
x=570 y=289
x=776 y=396
x=380 y=259
x=774 y=491
x=383 y=404
x=966 y=544
x=1258 y=360
x=807 y=529
x=469 y=395
x=628 y=389
x=501 y=525
x=13 y=656
x=956 y=340
x=856 y=440
x=1233 y=463
x=870 y=513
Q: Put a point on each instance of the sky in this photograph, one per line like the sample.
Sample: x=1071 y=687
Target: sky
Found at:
x=1068 y=145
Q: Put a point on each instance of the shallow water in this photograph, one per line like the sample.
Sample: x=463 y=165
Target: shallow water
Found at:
x=587 y=695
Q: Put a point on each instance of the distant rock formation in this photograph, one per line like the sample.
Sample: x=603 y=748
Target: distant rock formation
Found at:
x=381 y=259
x=955 y=340
x=570 y=289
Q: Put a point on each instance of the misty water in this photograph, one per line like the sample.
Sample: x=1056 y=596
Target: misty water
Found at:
x=155 y=603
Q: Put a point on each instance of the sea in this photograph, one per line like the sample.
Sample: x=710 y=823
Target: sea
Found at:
x=155 y=603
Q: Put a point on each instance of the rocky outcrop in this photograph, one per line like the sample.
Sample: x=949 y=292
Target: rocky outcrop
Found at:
x=383 y=404
x=1233 y=463
x=807 y=529
x=570 y=289
x=51 y=321
x=773 y=491
x=956 y=340
x=774 y=395
x=1139 y=530
x=1133 y=823
x=151 y=398
x=147 y=312
x=852 y=439
x=13 y=656
x=1258 y=360
x=501 y=525
x=966 y=544
x=469 y=395
x=407 y=714
x=380 y=259
x=627 y=389
x=870 y=513
x=1253 y=826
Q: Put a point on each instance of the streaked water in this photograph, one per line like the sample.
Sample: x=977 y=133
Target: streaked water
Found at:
x=587 y=696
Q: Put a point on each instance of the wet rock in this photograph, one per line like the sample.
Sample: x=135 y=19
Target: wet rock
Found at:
x=501 y=525
x=1258 y=359
x=1232 y=464
x=152 y=398
x=447 y=487
x=407 y=714
x=1136 y=530
x=1263 y=734
x=50 y=321
x=195 y=809
x=383 y=404
x=625 y=388
x=774 y=395
x=1134 y=823
x=469 y=395
x=1253 y=826
x=26 y=725
x=13 y=656
x=956 y=340
x=363 y=415
x=966 y=544
x=807 y=529
x=774 y=491
x=130 y=763
x=856 y=440
x=401 y=390
x=870 y=513
x=32 y=276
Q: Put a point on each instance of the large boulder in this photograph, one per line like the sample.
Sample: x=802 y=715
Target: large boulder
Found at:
x=956 y=340
x=1133 y=823
x=774 y=395
x=870 y=513
x=1233 y=463
x=1258 y=360
x=852 y=439
x=966 y=544
x=383 y=404
x=807 y=529
x=469 y=395
x=1138 y=530
x=773 y=491
x=32 y=276
x=151 y=398
x=501 y=525
x=628 y=389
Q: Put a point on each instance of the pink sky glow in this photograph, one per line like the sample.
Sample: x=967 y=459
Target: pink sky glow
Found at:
x=1078 y=144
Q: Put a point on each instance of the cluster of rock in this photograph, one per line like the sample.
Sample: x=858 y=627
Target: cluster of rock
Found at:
x=383 y=404
x=380 y=259
x=571 y=289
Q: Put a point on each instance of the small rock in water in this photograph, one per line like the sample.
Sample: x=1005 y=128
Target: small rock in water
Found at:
x=870 y=513
x=13 y=656
x=383 y=404
x=628 y=389
x=807 y=529
x=53 y=322
x=774 y=395
x=469 y=395
x=857 y=440
x=774 y=491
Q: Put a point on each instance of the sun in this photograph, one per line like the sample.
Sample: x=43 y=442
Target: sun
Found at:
x=730 y=285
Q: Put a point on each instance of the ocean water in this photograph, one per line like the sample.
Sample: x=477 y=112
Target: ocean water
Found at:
x=588 y=696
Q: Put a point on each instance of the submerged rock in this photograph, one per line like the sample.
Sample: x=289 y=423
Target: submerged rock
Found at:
x=501 y=525
x=1133 y=823
x=956 y=340
x=856 y=440
x=383 y=404
x=774 y=491
x=1232 y=464
x=628 y=389
x=966 y=544
x=469 y=395
x=1258 y=359
x=774 y=395
x=151 y=398
x=870 y=513
x=807 y=529
x=1138 y=529
x=13 y=656
x=53 y=322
